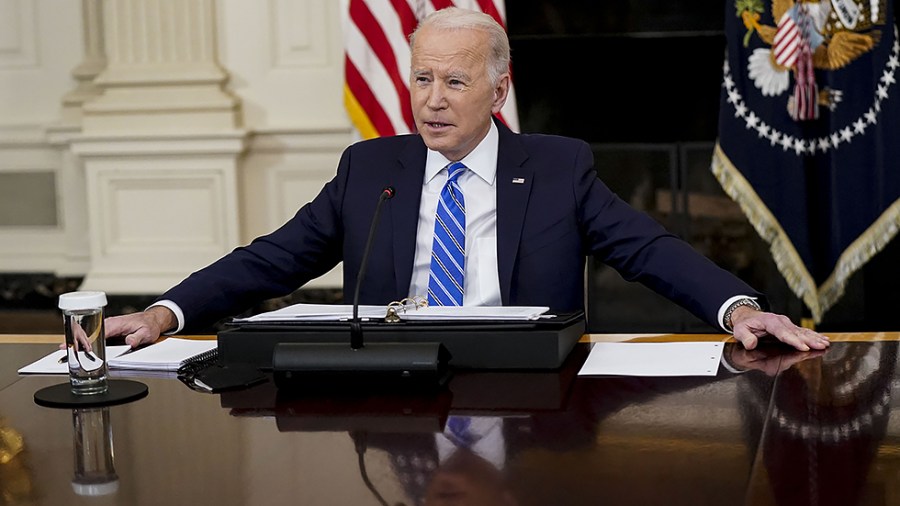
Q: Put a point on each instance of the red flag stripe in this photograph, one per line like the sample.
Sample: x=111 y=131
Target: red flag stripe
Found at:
x=378 y=42
x=440 y=4
x=406 y=15
x=489 y=7
x=372 y=68
x=367 y=100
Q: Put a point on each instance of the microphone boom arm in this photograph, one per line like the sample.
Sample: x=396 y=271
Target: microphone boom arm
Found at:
x=356 y=337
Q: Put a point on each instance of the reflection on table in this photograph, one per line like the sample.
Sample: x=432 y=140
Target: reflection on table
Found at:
x=772 y=427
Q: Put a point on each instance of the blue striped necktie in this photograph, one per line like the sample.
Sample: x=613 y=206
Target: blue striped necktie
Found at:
x=448 y=253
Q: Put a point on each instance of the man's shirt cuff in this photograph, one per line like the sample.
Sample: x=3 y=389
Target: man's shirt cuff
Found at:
x=724 y=307
x=179 y=315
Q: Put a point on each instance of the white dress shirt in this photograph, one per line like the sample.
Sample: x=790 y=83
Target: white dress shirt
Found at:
x=488 y=441
x=482 y=281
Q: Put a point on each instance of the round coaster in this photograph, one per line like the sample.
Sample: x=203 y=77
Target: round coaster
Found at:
x=61 y=396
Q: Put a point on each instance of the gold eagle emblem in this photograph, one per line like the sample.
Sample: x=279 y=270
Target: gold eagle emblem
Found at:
x=846 y=27
x=809 y=34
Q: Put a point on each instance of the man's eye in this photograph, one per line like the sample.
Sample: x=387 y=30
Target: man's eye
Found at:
x=455 y=83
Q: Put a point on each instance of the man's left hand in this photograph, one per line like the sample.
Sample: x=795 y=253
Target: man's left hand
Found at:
x=749 y=325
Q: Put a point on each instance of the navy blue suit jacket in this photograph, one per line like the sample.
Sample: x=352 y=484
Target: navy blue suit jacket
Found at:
x=556 y=213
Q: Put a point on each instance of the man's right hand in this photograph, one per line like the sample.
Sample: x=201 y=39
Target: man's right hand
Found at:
x=141 y=328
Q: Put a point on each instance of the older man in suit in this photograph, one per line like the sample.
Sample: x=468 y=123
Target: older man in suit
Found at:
x=481 y=216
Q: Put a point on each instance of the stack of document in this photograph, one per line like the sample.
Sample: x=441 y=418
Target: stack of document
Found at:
x=165 y=355
x=57 y=361
x=475 y=313
x=315 y=313
x=339 y=312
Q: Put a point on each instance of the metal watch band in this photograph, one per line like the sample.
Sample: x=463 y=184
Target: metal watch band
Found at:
x=726 y=318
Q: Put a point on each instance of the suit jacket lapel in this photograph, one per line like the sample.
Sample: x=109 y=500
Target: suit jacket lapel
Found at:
x=513 y=190
x=407 y=182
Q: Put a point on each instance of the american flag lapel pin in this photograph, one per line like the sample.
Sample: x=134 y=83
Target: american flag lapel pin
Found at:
x=518 y=180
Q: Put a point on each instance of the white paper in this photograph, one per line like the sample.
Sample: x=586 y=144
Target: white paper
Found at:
x=50 y=364
x=166 y=355
x=474 y=313
x=653 y=359
x=343 y=312
x=315 y=312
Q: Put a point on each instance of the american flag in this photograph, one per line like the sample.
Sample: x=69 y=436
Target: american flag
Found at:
x=376 y=61
x=787 y=41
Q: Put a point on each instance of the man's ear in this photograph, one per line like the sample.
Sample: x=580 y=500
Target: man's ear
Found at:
x=501 y=92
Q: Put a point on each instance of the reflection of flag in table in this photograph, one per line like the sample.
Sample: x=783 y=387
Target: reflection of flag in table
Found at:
x=376 y=63
x=822 y=189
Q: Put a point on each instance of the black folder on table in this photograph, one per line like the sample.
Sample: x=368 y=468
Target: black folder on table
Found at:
x=483 y=344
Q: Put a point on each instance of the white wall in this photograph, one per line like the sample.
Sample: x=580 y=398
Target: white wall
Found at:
x=39 y=45
x=258 y=138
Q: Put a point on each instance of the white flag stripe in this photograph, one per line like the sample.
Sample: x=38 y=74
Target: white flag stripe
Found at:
x=784 y=26
x=368 y=64
x=509 y=112
x=384 y=12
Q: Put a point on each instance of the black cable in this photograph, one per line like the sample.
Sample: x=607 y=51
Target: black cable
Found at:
x=359 y=440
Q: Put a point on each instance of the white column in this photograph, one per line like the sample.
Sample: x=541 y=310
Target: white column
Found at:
x=160 y=148
x=93 y=62
x=71 y=179
x=162 y=73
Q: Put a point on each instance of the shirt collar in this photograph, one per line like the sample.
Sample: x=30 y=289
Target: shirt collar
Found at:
x=482 y=160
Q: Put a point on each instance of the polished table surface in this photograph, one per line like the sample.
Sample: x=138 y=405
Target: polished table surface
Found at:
x=789 y=428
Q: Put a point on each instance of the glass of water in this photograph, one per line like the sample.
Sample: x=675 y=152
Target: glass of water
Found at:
x=85 y=341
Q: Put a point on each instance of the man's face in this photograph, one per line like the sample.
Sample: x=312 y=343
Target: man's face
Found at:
x=451 y=94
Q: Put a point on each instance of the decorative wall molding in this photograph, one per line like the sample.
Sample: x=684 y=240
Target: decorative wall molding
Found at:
x=282 y=170
x=31 y=250
x=92 y=63
x=21 y=136
x=188 y=127
x=109 y=145
x=285 y=58
x=158 y=207
x=18 y=34
x=26 y=160
x=299 y=38
x=28 y=199
x=24 y=150
x=162 y=73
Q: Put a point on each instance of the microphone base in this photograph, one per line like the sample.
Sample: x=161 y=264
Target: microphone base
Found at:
x=418 y=366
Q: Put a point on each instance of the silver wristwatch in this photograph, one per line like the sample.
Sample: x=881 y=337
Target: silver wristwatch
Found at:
x=726 y=318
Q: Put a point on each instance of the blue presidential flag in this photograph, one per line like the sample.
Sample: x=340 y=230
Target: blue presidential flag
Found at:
x=809 y=135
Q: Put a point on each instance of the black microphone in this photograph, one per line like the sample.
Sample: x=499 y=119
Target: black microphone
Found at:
x=398 y=358
x=356 y=336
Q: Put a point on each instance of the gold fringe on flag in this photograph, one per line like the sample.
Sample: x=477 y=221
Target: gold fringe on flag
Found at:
x=817 y=299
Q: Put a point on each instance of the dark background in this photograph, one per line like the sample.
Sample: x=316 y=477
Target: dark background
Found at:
x=640 y=81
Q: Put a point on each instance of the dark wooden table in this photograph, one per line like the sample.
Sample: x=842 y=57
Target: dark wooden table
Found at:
x=788 y=429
